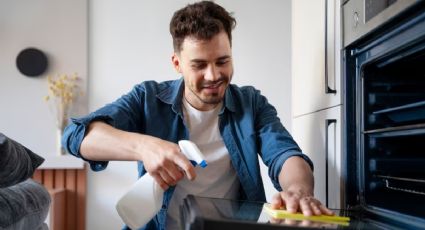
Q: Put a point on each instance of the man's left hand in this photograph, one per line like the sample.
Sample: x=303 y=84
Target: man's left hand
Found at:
x=297 y=201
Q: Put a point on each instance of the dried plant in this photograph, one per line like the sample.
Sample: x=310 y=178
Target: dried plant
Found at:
x=63 y=91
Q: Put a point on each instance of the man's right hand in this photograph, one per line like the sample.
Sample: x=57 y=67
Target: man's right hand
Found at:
x=164 y=161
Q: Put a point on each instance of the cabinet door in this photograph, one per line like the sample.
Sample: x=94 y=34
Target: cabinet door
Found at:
x=316 y=55
x=319 y=136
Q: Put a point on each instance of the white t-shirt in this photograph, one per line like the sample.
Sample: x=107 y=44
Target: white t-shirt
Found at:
x=219 y=178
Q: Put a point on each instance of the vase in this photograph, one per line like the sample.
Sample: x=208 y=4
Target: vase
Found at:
x=60 y=151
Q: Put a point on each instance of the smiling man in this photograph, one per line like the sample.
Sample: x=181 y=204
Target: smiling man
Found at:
x=206 y=66
x=231 y=125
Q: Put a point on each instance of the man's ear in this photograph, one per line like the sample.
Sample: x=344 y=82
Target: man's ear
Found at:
x=176 y=62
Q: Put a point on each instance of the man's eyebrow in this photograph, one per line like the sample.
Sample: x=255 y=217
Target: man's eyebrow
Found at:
x=197 y=60
x=224 y=57
x=202 y=60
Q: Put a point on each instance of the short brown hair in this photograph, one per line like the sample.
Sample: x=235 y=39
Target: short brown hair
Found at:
x=202 y=20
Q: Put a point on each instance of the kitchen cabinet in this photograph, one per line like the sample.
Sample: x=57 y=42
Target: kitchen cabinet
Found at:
x=319 y=136
x=316 y=92
x=315 y=38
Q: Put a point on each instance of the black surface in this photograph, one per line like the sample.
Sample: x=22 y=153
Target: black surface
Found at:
x=410 y=112
x=31 y=62
x=203 y=213
x=383 y=121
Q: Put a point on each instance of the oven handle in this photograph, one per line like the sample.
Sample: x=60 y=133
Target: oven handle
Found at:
x=328 y=122
x=328 y=89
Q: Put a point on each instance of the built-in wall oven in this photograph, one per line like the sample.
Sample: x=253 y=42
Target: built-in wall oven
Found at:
x=384 y=111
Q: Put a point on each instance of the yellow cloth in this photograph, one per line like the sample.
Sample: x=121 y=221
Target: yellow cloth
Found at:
x=283 y=214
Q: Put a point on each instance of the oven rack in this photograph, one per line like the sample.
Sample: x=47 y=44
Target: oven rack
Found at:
x=396 y=98
x=397 y=165
x=405 y=113
x=387 y=179
x=398 y=131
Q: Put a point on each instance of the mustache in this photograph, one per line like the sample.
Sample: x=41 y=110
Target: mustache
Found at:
x=213 y=83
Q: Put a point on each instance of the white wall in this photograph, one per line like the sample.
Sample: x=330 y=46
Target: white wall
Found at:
x=129 y=43
x=59 y=29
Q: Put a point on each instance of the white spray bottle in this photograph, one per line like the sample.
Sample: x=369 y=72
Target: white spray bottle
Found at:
x=144 y=199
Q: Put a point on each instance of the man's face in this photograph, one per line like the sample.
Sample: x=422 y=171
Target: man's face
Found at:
x=207 y=70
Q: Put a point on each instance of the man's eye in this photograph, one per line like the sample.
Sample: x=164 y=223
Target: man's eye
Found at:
x=199 y=66
x=221 y=63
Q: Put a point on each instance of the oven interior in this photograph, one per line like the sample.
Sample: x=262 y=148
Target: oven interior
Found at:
x=393 y=134
x=384 y=121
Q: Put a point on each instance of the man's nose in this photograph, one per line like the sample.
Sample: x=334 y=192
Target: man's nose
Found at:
x=211 y=73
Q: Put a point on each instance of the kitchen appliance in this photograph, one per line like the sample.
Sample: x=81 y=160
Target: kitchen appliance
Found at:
x=384 y=111
x=203 y=213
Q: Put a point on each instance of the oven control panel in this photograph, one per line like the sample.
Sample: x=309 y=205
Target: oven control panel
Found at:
x=362 y=16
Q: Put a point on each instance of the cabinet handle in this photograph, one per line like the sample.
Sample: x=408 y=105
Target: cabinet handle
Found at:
x=328 y=89
x=328 y=122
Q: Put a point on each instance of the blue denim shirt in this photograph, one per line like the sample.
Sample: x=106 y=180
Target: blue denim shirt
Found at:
x=248 y=124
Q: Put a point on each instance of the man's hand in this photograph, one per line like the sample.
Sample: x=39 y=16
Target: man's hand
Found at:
x=294 y=201
x=164 y=161
x=296 y=179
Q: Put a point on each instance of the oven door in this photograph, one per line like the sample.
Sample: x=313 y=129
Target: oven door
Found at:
x=203 y=213
x=384 y=113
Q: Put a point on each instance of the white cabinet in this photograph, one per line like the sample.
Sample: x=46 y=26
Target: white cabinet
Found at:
x=319 y=136
x=315 y=42
x=316 y=91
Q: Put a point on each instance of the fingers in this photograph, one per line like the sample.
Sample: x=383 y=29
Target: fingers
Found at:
x=160 y=181
x=184 y=164
x=164 y=161
x=168 y=175
x=295 y=202
x=171 y=173
x=316 y=209
x=165 y=179
x=311 y=206
x=307 y=206
x=326 y=211
x=277 y=201
x=291 y=201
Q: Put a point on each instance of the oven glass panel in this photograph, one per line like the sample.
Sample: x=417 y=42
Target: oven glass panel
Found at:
x=395 y=93
x=394 y=133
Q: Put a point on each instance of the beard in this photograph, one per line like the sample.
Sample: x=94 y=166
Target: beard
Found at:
x=206 y=95
x=200 y=91
x=211 y=99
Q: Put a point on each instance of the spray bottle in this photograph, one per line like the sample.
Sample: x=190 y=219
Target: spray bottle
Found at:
x=144 y=199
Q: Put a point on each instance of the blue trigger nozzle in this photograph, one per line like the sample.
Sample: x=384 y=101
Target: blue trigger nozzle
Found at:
x=203 y=164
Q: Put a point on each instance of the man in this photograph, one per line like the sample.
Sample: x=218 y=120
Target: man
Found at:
x=230 y=125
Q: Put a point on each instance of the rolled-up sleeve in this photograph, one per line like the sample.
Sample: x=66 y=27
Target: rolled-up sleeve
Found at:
x=124 y=114
x=276 y=144
x=74 y=134
x=276 y=166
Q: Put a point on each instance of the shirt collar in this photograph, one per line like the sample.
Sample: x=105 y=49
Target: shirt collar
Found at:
x=174 y=93
x=229 y=102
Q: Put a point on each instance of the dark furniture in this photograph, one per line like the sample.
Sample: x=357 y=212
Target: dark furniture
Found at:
x=24 y=203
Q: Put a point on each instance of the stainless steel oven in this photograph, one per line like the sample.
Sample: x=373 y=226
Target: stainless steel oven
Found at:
x=384 y=111
x=363 y=16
